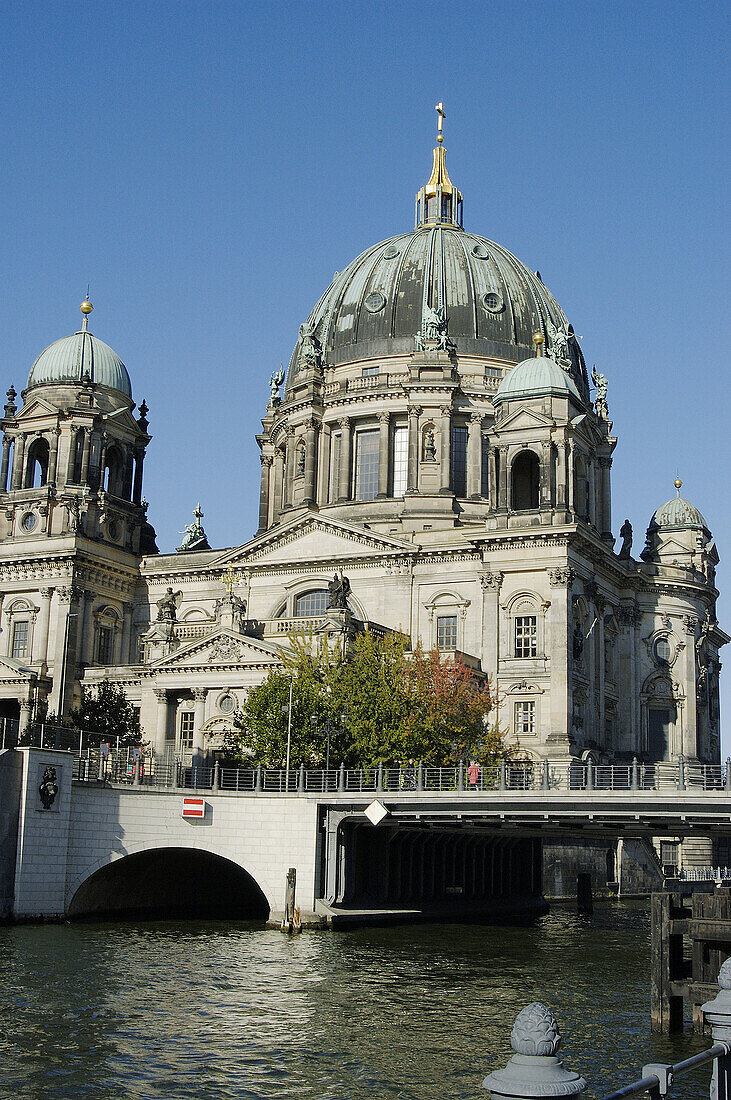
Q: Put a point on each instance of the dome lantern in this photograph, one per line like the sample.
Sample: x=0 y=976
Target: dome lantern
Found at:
x=439 y=202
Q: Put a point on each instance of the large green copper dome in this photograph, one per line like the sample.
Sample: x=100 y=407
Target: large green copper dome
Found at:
x=74 y=357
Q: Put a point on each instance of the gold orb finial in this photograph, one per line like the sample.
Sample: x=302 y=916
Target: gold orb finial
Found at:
x=86 y=306
x=538 y=341
x=678 y=485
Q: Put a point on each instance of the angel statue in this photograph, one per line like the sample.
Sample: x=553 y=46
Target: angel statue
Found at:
x=167 y=606
x=559 y=336
x=601 y=384
x=274 y=383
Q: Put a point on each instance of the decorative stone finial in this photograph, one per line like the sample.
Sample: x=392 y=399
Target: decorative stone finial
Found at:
x=534 y=1071
x=440 y=121
x=538 y=341
x=535 y=1031
x=11 y=407
x=724 y=975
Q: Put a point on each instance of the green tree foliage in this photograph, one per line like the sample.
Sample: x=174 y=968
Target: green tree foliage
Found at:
x=380 y=703
x=106 y=714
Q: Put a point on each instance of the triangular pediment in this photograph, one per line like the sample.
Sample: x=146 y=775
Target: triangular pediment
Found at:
x=673 y=546
x=524 y=419
x=11 y=669
x=313 y=538
x=221 y=650
x=36 y=407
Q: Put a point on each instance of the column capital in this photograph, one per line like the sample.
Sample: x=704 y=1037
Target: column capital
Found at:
x=200 y=693
x=46 y=593
x=267 y=460
x=445 y=410
x=476 y=418
x=311 y=424
x=492 y=580
x=605 y=462
x=415 y=410
x=344 y=422
x=384 y=417
x=160 y=694
x=562 y=577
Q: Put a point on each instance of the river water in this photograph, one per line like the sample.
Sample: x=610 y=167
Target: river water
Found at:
x=213 y=1010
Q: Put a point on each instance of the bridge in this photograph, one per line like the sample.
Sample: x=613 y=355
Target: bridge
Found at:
x=413 y=840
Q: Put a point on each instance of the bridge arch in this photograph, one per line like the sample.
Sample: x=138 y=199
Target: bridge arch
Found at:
x=169 y=882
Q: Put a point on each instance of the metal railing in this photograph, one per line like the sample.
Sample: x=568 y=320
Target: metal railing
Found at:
x=660 y=1078
x=705 y=874
x=91 y=766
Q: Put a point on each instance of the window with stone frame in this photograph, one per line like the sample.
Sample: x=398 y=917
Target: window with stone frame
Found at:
x=20 y=644
x=459 y=461
x=187 y=724
x=312 y=603
x=524 y=718
x=400 y=460
x=366 y=464
x=526 y=635
x=447 y=632
x=104 y=642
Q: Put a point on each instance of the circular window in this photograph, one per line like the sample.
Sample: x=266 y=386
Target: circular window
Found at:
x=492 y=301
x=28 y=521
x=375 y=302
x=113 y=529
x=391 y=253
x=226 y=704
x=481 y=252
x=663 y=651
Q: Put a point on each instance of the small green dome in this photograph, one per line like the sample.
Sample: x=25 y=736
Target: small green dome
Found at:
x=73 y=357
x=539 y=376
x=678 y=513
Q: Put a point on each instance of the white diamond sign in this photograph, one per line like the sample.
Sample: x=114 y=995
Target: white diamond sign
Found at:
x=376 y=812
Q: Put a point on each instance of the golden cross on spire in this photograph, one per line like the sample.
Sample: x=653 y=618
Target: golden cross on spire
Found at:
x=229 y=580
x=440 y=121
x=199 y=514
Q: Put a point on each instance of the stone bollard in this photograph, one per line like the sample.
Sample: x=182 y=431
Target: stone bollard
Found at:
x=420 y=776
x=301 y=779
x=717 y=1013
x=216 y=776
x=379 y=778
x=546 y=777
x=136 y=774
x=460 y=776
x=341 y=777
x=635 y=781
x=589 y=776
x=534 y=1070
x=258 y=780
x=681 y=773
x=503 y=783
x=728 y=774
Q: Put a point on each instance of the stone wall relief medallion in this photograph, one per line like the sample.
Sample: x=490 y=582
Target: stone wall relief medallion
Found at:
x=226 y=649
x=48 y=788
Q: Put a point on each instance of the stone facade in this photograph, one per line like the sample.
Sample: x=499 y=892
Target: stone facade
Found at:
x=423 y=447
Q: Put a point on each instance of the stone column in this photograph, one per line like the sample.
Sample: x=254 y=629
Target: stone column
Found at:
x=558 y=644
x=345 y=458
x=289 y=462
x=310 y=462
x=18 y=461
x=71 y=459
x=161 y=724
x=266 y=466
x=323 y=464
x=571 y=500
x=605 y=517
x=102 y=457
x=384 y=431
x=689 y=746
x=65 y=644
x=412 y=480
x=445 y=450
x=53 y=455
x=85 y=457
x=544 y=488
x=490 y=583
x=7 y=441
x=25 y=709
x=492 y=466
x=125 y=635
x=561 y=475
x=199 y=694
x=474 y=457
x=503 y=479
x=81 y=632
x=277 y=503
x=600 y=605
x=40 y=637
x=139 y=463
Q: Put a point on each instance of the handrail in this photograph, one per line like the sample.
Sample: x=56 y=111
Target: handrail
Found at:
x=660 y=1083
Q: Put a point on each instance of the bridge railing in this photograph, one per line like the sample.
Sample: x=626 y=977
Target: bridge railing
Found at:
x=535 y=1070
x=130 y=766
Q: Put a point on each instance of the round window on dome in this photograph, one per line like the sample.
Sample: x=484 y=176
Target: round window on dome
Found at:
x=28 y=521
x=663 y=650
x=480 y=252
x=391 y=253
x=375 y=302
x=113 y=530
x=492 y=301
x=226 y=704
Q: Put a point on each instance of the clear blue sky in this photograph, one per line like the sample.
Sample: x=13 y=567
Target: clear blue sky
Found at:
x=207 y=167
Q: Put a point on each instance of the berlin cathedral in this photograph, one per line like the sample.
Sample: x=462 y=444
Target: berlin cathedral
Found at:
x=434 y=457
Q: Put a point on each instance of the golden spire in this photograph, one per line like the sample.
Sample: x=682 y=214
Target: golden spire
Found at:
x=440 y=121
x=86 y=308
x=439 y=202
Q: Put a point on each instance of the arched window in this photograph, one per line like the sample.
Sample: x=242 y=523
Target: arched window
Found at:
x=36 y=470
x=312 y=603
x=525 y=482
x=113 y=470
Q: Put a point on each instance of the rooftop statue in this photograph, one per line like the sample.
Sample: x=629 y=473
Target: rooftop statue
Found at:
x=275 y=382
x=339 y=589
x=167 y=606
x=559 y=336
x=433 y=334
x=195 y=536
x=625 y=533
x=310 y=352
x=601 y=384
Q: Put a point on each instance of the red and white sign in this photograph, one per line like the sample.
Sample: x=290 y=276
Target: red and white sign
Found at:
x=194 y=807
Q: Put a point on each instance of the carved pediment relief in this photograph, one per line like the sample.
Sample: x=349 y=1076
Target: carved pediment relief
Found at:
x=36 y=407
x=312 y=538
x=525 y=419
x=223 y=648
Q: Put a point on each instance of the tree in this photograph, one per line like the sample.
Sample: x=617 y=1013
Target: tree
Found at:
x=106 y=714
x=380 y=703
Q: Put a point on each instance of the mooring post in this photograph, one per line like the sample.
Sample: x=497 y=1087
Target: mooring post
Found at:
x=717 y=1013
x=584 y=899
x=635 y=782
x=289 y=892
x=546 y=777
x=341 y=777
x=534 y=1071
x=681 y=772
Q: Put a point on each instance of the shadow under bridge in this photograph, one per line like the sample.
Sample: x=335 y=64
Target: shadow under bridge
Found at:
x=170 y=883
x=444 y=868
